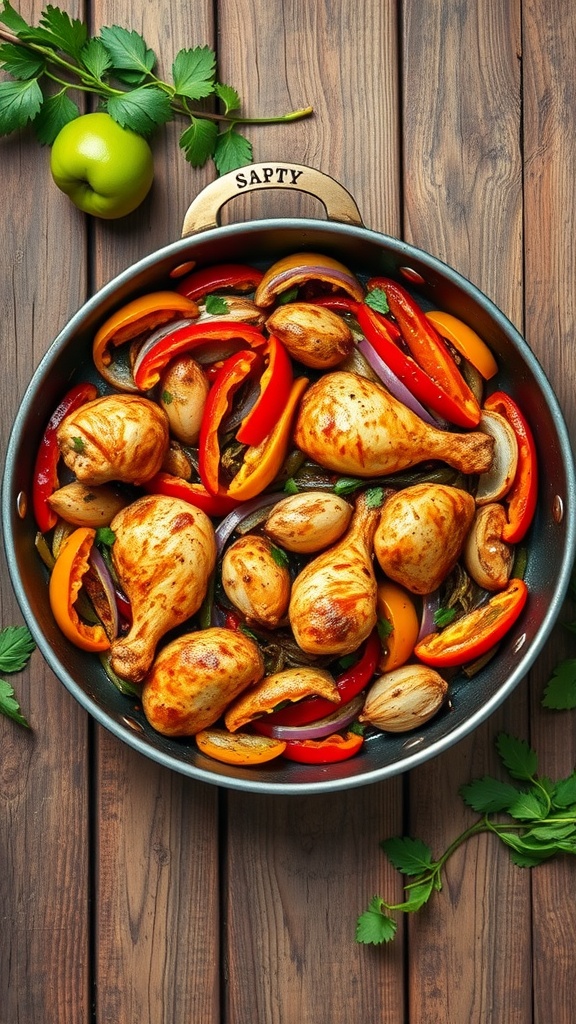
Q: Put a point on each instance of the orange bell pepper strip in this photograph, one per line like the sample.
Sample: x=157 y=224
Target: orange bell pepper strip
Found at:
x=465 y=341
x=65 y=583
x=263 y=463
x=140 y=315
x=523 y=495
x=429 y=350
x=395 y=606
x=239 y=748
x=476 y=632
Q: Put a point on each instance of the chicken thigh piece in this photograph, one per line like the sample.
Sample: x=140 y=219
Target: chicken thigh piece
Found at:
x=163 y=553
x=114 y=437
x=333 y=602
x=421 y=534
x=353 y=425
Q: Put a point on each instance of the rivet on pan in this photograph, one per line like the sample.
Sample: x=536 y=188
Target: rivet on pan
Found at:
x=412 y=275
x=413 y=742
x=21 y=504
x=132 y=723
x=519 y=643
x=183 y=268
x=557 y=509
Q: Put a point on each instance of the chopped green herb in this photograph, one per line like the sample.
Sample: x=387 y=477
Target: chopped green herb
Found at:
x=216 y=305
x=119 y=69
x=540 y=824
x=167 y=398
x=377 y=300
x=78 y=444
x=105 y=536
x=385 y=628
x=291 y=487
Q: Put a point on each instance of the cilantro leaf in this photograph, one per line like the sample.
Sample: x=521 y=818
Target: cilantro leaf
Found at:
x=216 y=305
x=291 y=487
x=410 y=856
x=487 y=795
x=9 y=706
x=526 y=807
x=517 y=757
x=127 y=50
x=19 y=62
x=19 y=104
x=377 y=300
x=228 y=96
x=16 y=646
x=560 y=693
x=95 y=58
x=59 y=30
x=141 y=110
x=374 y=497
x=564 y=793
x=418 y=894
x=56 y=111
x=198 y=141
x=193 y=72
x=374 y=926
x=14 y=21
x=232 y=150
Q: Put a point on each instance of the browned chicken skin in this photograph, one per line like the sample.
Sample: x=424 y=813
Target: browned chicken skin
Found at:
x=163 y=554
x=333 y=603
x=352 y=425
x=115 y=437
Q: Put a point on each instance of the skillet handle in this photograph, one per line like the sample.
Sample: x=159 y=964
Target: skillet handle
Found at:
x=203 y=212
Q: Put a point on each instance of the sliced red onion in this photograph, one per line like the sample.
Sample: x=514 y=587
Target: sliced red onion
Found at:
x=105 y=578
x=393 y=383
x=233 y=519
x=338 y=720
x=430 y=605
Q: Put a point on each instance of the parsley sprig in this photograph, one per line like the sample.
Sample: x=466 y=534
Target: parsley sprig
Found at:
x=16 y=646
x=536 y=820
x=58 y=57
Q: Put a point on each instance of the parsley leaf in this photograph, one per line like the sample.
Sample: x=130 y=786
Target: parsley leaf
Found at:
x=9 y=706
x=410 y=856
x=487 y=795
x=517 y=756
x=374 y=926
x=14 y=21
x=560 y=693
x=127 y=50
x=228 y=96
x=56 y=111
x=95 y=58
x=16 y=646
x=198 y=141
x=193 y=72
x=141 y=110
x=59 y=30
x=377 y=300
x=20 y=63
x=19 y=104
x=232 y=150
x=216 y=305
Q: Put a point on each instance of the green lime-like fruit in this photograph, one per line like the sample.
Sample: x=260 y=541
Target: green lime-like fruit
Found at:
x=105 y=169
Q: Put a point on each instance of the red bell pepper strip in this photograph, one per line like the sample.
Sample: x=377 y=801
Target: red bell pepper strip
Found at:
x=428 y=392
x=234 y=371
x=476 y=632
x=215 y=505
x=522 y=496
x=192 y=337
x=231 y=276
x=349 y=683
x=337 y=303
x=275 y=387
x=327 y=751
x=429 y=349
x=46 y=467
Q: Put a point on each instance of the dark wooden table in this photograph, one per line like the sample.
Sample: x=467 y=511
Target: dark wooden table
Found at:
x=130 y=894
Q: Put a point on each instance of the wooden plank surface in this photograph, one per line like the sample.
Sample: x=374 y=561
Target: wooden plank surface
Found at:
x=129 y=893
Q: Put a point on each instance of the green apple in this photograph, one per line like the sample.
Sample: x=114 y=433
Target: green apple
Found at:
x=105 y=169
